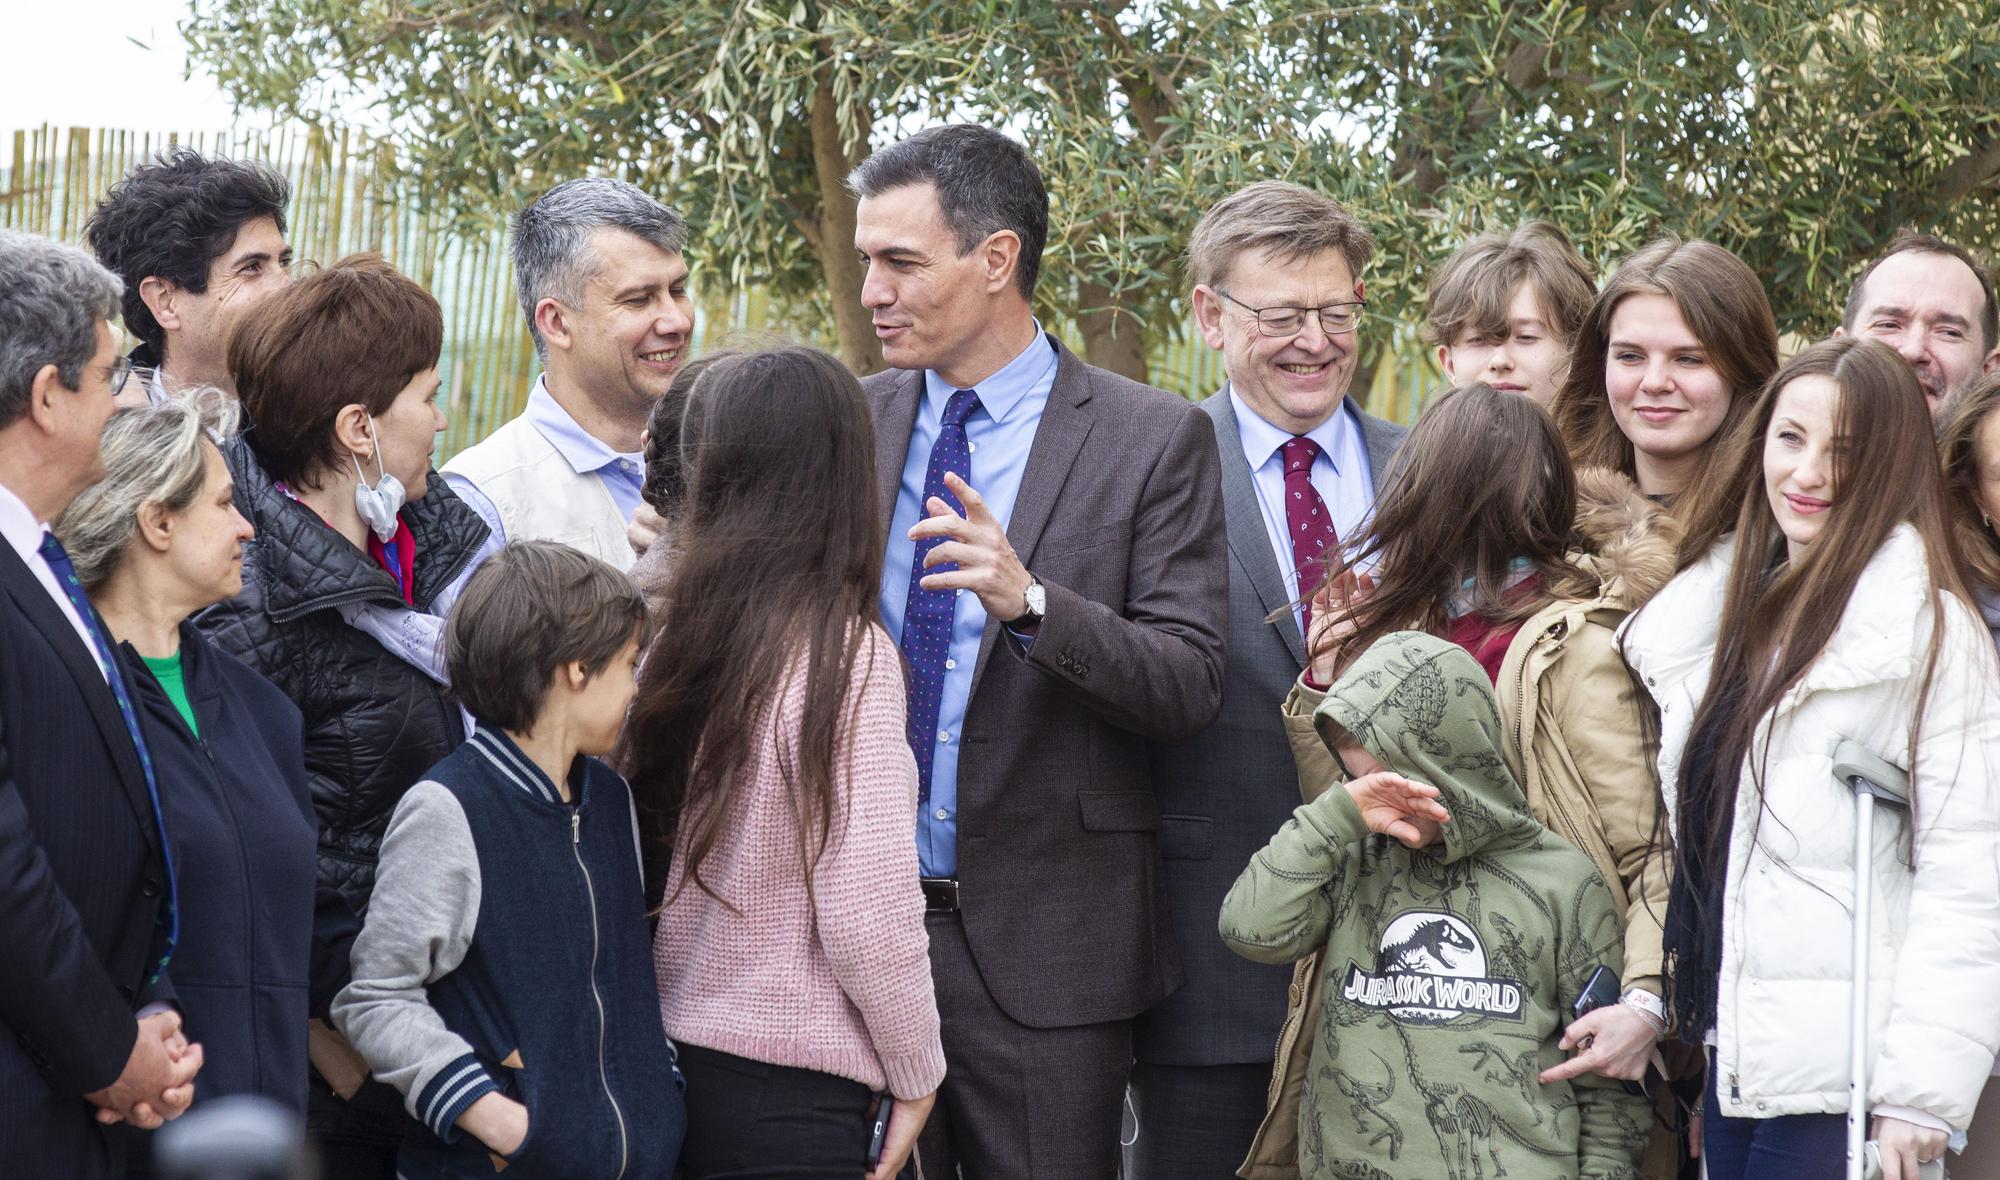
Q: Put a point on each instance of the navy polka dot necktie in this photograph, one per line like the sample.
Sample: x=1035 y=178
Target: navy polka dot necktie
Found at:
x=927 y=614
x=59 y=564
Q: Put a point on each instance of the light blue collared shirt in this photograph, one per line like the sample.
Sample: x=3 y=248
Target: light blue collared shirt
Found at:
x=1340 y=475
x=622 y=474
x=999 y=434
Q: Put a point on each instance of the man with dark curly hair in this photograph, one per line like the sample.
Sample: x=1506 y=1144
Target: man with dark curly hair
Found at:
x=197 y=241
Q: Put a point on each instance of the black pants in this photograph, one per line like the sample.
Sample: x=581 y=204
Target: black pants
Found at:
x=1193 y=1122
x=1018 y=1103
x=750 y=1119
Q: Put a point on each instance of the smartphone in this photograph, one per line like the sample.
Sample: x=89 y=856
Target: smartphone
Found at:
x=879 y=1128
x=1599 y=991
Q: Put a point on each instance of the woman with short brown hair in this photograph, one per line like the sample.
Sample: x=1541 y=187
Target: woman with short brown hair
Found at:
x=359 y=551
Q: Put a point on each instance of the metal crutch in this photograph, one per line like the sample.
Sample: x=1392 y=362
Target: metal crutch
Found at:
x=1873 y=780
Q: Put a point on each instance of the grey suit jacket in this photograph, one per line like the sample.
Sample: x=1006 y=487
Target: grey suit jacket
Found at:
x=1225 y=792
x=1120 y=516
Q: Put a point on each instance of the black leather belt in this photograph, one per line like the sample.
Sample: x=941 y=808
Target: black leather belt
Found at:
x=940 y=894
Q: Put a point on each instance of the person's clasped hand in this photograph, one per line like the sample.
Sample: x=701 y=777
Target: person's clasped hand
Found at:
x=157 y=1082
x=1905 y=1145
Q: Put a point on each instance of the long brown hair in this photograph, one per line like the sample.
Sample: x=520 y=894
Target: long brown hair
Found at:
x=1778 y=615
x=1959 y=448
x=781 y=557
x=1482 y=480
x=1721 y=302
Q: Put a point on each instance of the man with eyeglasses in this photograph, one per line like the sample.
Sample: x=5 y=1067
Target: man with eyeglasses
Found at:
x=88 y=909
x=1276 y=272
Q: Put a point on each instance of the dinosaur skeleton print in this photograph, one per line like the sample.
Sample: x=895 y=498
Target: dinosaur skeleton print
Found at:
x=1431 y=970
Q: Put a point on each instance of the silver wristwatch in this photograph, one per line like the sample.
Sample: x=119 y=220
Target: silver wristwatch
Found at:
x=1038 y=605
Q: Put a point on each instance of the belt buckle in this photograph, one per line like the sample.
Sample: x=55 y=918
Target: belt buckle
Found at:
x=940 y=894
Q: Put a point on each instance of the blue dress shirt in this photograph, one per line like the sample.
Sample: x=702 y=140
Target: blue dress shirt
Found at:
x=1340 y=475
x=622 y=474
x=1000 y=433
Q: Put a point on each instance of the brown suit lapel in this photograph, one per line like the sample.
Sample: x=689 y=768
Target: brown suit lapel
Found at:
x=1058 y=438
x=895 y=405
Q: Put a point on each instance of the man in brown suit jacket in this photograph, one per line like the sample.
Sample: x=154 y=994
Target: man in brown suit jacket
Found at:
x=1067 y=606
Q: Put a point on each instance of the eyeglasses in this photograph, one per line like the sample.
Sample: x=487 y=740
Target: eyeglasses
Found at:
x=121 y=368
x=1282 y=322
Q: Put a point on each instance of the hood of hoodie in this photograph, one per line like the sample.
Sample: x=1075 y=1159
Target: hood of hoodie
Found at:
x=1424 y=708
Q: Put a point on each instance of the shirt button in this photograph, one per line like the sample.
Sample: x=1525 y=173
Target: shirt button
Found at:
x=944 y=735
x=944 y=813
x=950 y=664
x=971 y=447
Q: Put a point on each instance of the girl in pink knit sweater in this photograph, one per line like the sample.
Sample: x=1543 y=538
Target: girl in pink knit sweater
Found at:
x=777 y=791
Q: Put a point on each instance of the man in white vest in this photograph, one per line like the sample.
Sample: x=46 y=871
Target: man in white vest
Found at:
x=604 y=286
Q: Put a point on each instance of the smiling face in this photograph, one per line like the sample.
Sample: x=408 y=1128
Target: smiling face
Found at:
x=629 y=332
x=256 y=266
x=408 y=433
x=1666 y=396
x=1801 y=457
x=1527 y=357
x=1293 y=382
x=1929 y=308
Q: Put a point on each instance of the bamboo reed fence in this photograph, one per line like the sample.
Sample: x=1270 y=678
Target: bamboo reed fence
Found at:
x=344 y=200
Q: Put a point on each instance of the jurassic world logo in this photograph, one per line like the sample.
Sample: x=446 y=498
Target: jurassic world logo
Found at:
x=1431 y=970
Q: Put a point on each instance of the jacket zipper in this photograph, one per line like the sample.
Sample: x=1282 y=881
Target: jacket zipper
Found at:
x=603 y=1076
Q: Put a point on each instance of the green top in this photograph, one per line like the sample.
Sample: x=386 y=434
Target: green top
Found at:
x=168 y=673
x=1452 y=968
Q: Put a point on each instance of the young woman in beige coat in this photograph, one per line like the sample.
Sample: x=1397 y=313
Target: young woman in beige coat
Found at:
x=1486 y=536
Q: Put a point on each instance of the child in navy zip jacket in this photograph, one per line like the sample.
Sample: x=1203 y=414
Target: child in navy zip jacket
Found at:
x=503 y=981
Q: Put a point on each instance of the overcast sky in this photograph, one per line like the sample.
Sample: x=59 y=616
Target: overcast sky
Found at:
x=75 y=63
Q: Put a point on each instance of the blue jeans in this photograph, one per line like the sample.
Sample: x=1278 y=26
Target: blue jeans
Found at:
x=1788 y=1147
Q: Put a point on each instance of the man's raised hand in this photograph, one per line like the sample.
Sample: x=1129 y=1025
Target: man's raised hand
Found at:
x=976 y=542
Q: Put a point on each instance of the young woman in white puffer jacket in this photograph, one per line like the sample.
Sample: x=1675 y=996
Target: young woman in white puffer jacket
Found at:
x=1835 y=611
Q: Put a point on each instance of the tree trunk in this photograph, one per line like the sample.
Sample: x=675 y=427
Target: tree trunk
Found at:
x=1112 y=336
x=859 y=349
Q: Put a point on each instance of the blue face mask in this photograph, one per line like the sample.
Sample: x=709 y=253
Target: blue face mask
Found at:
x=378 y=505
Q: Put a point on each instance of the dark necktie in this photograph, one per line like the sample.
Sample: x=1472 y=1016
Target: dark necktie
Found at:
x=1307 y=523
x=927 y=613
x=59 y=563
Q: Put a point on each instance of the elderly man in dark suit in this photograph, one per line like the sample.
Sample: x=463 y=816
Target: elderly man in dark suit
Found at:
x=86 y=883
x=1056 y=577
x=1276 y=271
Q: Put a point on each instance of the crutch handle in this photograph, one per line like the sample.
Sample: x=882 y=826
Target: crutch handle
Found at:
x=1866 y=772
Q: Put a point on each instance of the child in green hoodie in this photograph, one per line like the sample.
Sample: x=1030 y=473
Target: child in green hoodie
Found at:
x=1457 y=932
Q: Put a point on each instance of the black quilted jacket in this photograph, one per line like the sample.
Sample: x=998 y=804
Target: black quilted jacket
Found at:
x=373 y=723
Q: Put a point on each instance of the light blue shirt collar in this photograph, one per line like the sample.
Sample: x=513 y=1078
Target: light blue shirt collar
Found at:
x=585 y=452
x=1001 y=393
x=1261 y=440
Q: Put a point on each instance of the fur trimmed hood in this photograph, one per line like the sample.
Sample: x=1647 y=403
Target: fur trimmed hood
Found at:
x=1632 y=540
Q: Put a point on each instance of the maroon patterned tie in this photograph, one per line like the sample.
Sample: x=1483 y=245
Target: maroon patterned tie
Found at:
x=1307 y=523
